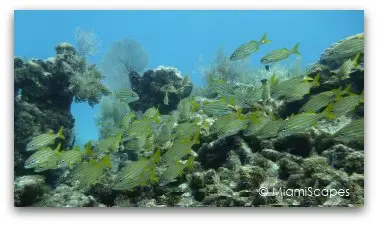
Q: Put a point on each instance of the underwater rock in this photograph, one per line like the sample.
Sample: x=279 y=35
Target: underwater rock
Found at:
x=215 y=153
x=354 y=162
x=28 y=189
x=157 y=84
x=343 y=157
x=300 y=144
x=67 y=196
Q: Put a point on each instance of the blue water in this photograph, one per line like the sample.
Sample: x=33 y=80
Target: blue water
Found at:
x=180 y=38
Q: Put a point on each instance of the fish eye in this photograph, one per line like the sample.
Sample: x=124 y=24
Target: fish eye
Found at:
x=32 y=145
x=284 y=129
x=32 y=162
x=62 y=161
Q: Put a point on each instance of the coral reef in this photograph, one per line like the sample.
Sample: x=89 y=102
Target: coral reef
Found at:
x=251 y=147
x=66 y=196
x=29 y=189
x=155 y=84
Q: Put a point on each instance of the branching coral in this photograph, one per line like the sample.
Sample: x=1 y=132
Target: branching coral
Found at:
x=112 y=112
x=87 y=43
x=87 y=86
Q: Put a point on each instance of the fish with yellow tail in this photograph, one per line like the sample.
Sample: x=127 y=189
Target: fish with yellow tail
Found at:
x=248 y=48
x=279 y=54
x=44 y=140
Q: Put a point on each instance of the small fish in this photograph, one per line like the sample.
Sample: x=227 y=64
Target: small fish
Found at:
x=44 y=158
x=232 y=127
x=44 y=140
x=127 y=95
x=187 y=131
x=178 y=150
x=185 y=109
x=270 y=129
x=255 y=122
x=319 y=101
x=246 y=49
x=346 y=104
x=165 y=133
x=242 y=98
x=136 y=144
x=109 y=144
x=151 y=113
x=228 y=125
x=347 y=48
x=347 y=67
x=216 y=108
x=166 y=99
x=220 y=87
x=175 y=170
x=294 y=88
x=303 y=89
x=221 y=121
x=139 y=128
x=299 y=123
x=127 y=120
x=139 y=173
x=70 y=158
x=89 y=173
x=279 y=54
x=354 y=131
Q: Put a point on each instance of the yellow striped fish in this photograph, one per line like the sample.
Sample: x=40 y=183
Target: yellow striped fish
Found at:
x=43 y=159
x=44 y=140
x=354 y=131
x=139 y=173
x=279 y=54
x=246 y=49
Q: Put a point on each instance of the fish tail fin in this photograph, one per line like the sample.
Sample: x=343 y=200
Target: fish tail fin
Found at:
x=60 y=133
x=58 y=147
x=106 y=161
x=156 y=157
x=328 y=112
x=362 y=99
x=316 y=80
x=273 y=80
x=189 y=162
x=338 y=93
x=348 y=88
x=294 y=50
x=153 y=177
x=264 y=40
x=87 y=149
x=355 y=59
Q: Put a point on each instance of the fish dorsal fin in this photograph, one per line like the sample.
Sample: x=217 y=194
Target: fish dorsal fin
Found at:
x=156 y=157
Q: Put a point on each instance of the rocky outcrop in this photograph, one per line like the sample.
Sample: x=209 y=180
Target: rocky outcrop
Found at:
x=155 y=85
x=44 y=92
